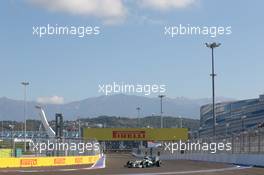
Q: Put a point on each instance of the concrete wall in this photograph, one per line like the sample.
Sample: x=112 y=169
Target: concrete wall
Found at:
x=243 y=159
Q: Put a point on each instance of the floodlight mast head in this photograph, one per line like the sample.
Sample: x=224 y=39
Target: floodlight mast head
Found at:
x=25 y=83
x=212 y=45
x=161 y=96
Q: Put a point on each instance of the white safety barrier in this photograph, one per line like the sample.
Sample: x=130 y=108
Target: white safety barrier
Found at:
x=243 y=159
x=240 y=159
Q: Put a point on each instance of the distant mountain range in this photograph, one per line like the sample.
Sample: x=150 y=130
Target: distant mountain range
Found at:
x=114 y=105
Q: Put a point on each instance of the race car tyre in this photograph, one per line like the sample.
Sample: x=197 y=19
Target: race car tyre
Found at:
x=128 y=164
x=158 y=163
x=143 y=165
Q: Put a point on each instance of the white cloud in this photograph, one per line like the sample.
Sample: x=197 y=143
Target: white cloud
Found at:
x=166 y=4
x=110 y=11
x=50 y=100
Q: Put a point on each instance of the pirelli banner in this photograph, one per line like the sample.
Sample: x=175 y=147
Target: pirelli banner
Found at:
x=129 y=134
x=13 y=162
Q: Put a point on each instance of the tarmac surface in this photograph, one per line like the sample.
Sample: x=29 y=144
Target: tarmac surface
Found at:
x=115 y=166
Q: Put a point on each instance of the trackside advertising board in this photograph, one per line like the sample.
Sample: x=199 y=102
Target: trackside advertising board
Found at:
x=13 y=162
x=126 y=134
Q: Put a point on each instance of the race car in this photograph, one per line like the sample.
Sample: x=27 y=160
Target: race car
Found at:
x=144 y=163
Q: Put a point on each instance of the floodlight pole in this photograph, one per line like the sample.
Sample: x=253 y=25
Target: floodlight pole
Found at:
x=161 y=110
x=25 y=84
x=212 y=46
x=138 y=116
x=79 y=126
x=12 y=138
x=2 y=131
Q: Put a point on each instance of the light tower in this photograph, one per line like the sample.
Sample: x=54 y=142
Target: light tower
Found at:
x=161 y=110
x=138 y=116
x=25 y=84
x=212 y=46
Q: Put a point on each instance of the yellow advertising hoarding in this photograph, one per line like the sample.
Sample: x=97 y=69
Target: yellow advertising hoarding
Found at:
x=13 y=162
x=126 y=134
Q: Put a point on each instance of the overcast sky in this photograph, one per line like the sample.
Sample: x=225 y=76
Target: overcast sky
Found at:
x=131 y=48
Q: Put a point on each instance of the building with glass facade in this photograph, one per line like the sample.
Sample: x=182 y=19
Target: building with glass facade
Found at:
x=232 y=117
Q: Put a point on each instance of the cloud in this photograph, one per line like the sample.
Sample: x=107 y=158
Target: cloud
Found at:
x=50 y=100
x=166 y=4
x=110 y=11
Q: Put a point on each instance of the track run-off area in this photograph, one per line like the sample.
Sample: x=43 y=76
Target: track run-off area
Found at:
x=114 y=165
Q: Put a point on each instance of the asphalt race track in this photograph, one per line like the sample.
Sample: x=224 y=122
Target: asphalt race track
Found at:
x=115 y=166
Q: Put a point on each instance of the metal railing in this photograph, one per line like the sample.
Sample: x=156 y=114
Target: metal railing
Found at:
x=248 y=142
x=245 y=142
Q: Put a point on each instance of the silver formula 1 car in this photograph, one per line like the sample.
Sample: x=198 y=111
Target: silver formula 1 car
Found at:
x=144 y=163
